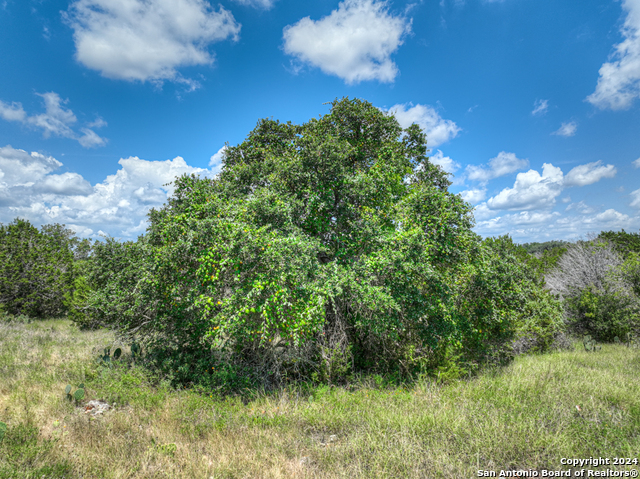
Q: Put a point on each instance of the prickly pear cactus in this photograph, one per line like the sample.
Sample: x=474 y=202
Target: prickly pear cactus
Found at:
x=3 y=430
x=590 y=344
x=78 y=395
x=117 y=353
x=67 y=390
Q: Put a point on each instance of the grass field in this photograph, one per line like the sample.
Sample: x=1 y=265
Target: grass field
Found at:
x=526 y=416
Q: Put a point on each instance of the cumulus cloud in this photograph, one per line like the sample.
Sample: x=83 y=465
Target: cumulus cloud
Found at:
x=619 y=81
x=55 y=121
x=609 y=217
x=528 y=226
x=66 y=184
x=503 y=164
x=19 y=168
x=30 y=188
x=531 y=190
x=588 y=174
x=264 y=4
x=635 y=199
x=636 y=163
x=540 y=107
x=147 y=39
x=355 y=42
x=566 y=129
x=444 y=162
x=474 y=195
x=437 y=129
x=215 y=162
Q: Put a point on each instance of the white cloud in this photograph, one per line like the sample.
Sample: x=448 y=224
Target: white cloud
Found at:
x=56 y=120
x=588 y=174
x=147 y=39
x=531 y=190
x=29 y=188
x=609 y=217
x=540 y=107
x=355 y=42
x=635 y=199
x=437 y=129
x=13 y=112
x=264 y=4
x=66 y=184
x=475 y=195
x=19 y=168
x=90 y=138
x=524 y=224
x=581 y=207
x=482 y=212
x=444 y=162
x=503 y=164
x=636 y=163
x=97 y=123
x=619 y=81
x=566 y=129
x=215 y=162
x=543 y=226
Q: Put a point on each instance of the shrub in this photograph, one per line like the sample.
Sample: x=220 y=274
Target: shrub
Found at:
x=597 y=290
x=503 y=303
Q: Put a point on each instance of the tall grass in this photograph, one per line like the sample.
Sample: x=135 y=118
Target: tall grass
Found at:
x=525 y=416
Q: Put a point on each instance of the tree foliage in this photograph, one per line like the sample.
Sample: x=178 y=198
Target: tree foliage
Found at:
x=624 y=243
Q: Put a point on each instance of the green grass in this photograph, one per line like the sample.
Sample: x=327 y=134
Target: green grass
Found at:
x=525 y=416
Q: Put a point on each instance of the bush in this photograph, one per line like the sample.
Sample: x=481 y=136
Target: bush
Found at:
x=597 y=289
x=503 y=304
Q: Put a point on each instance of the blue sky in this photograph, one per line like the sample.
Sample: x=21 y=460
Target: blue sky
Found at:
x=532 y=105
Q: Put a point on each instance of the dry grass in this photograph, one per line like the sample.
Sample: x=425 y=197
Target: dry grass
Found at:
x=521 y=417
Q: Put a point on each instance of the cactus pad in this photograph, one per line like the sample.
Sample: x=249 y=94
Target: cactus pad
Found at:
x=79 y=394
x=67 y=390
x=117 y=353
x=3 y=430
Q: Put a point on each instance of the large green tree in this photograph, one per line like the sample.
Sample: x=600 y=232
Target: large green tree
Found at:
x=36 y=269
x=320 y=248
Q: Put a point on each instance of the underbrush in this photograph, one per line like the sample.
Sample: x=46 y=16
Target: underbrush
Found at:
x=527 y=415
